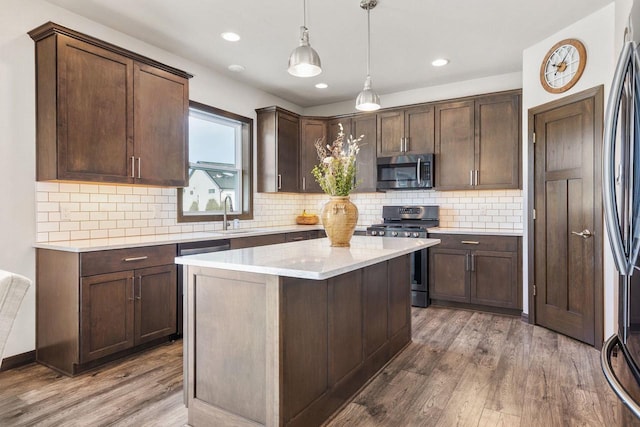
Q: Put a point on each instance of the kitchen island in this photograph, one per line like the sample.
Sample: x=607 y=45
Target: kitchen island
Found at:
x=284 y=335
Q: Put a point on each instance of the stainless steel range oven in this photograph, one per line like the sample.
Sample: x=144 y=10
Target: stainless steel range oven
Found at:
x=410 y=222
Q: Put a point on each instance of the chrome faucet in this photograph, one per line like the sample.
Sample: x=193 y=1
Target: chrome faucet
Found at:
x=225 y=224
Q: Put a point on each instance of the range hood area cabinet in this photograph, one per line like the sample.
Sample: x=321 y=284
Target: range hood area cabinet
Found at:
x=105 y=114
x=406 y=131
x=478 y=143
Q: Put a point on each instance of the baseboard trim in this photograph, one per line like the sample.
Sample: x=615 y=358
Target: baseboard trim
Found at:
x=525 y=317
x=18 y=360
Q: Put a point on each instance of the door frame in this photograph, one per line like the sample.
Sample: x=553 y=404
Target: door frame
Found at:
x=597 y=93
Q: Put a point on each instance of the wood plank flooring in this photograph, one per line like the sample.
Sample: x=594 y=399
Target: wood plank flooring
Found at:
x=463 y=368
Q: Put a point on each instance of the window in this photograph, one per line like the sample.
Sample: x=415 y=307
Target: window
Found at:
x=219 y=166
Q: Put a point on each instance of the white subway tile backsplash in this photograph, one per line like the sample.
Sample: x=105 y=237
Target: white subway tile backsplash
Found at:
x=100 y=211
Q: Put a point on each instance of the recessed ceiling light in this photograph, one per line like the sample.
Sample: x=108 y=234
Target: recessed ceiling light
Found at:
x=322 y=85
x=439 y=62
x=236 y=68
x=231 y=37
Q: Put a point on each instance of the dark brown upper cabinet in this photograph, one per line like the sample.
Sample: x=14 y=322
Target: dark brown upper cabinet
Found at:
x=105 y=114
x=311 y=130
x=333 y=127
x=365 y=125
x=278 y=150
x=406 y=131
x=478 y=143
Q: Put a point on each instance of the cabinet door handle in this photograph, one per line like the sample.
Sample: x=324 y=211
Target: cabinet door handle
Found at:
x=139 y=167
x=279 y=182
x=304 y=182
x=473 y=262
x=133 y=167
x=471 y=178
x=139 y=297
x=135 y=258
x=297 y=239
x=469 y=242
x=476 y=177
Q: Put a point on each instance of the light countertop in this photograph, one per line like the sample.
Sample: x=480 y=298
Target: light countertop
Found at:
x=479 y=231
x=309 y=259
x=90 y=245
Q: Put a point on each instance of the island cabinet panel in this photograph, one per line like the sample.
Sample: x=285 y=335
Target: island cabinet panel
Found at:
x=305 y=358
x=345 y=325
x=479 y=270
x=235 y=303
x=115 y=302
x=399 y=296
x=311 y=130
x=106 y=114
x=283 y=351
x=375 y=298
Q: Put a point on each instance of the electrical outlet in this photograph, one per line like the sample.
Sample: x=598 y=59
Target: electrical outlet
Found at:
x=65 y=213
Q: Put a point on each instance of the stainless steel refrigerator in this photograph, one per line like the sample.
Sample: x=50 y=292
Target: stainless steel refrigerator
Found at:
x=620 y=356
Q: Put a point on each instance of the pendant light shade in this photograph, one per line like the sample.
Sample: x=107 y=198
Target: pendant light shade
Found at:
x=368 y=100
x=304 y=61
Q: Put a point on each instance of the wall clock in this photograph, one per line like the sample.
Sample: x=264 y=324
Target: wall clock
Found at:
x=563 y=65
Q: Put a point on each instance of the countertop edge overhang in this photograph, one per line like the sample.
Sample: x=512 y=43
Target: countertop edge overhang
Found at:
x=309 y=259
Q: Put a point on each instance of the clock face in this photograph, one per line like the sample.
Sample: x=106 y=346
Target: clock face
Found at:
x=563 y=65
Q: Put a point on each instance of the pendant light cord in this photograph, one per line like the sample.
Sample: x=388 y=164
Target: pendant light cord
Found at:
x=304 y=13
x=368 y=40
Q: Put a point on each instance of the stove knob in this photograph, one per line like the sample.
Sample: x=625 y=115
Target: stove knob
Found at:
x=394 y=233
x=407 y=234
x=374 y=232
x=380 y=233
x=416 y=234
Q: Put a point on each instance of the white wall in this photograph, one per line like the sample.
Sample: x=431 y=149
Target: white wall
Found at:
x=17 y=127
x=597 y=33
x=428 y=94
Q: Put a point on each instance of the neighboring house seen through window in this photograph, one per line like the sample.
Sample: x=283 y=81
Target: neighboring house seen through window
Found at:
x=219 y=166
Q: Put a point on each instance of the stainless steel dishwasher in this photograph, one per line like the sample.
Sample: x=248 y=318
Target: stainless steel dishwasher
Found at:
x=192 y=248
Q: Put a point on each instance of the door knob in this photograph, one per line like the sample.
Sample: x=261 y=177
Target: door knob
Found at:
x=585 y=234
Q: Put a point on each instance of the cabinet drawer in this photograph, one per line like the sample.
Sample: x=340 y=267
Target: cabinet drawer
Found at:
x=477 y=242
x=99 y=262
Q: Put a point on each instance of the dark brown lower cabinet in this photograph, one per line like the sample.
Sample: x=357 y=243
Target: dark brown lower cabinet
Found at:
x=95 y=306
x=478 y=270
x=365 y=317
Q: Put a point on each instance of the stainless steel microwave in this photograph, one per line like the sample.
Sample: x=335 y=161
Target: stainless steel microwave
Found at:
x=409 y=172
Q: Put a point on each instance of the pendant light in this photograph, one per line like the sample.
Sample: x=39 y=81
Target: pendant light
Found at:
x=368 y=100
x=304 y=60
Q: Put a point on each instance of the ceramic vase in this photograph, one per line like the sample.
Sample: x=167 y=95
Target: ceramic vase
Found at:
x=339 y=218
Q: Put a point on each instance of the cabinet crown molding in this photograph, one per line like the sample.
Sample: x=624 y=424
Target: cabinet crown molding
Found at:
x=51 y=28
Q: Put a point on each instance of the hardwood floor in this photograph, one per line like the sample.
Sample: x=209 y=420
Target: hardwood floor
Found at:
x=462 y=368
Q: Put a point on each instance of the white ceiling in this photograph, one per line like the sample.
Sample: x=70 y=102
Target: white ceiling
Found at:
x=480 y=37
